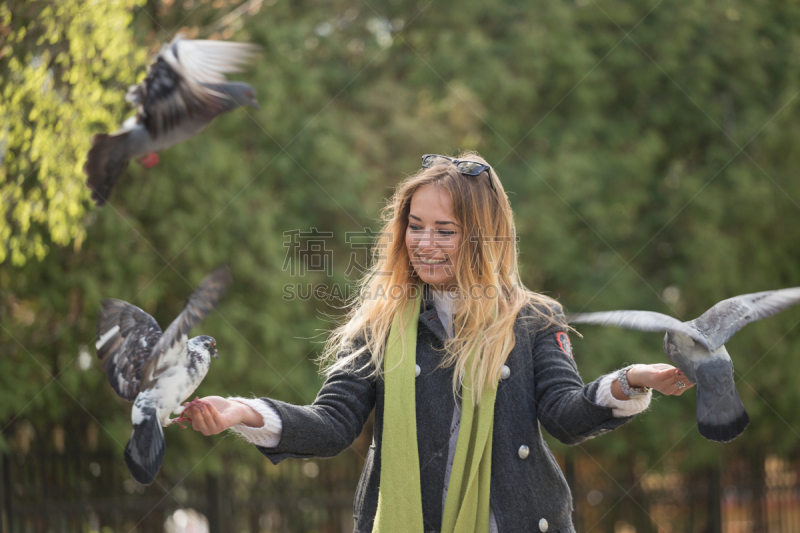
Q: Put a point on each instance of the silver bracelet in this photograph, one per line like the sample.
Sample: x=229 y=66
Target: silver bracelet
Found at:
x=630 y=392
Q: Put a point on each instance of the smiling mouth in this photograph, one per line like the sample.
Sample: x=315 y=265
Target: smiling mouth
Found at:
x=431 y=261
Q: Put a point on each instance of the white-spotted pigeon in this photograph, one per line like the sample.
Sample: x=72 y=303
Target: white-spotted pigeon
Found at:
x=184 y=90
x=156 y=371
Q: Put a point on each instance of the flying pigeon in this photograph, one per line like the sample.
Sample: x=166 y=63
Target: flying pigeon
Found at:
x=156 y=371
x=184 y=90
x=697 y=347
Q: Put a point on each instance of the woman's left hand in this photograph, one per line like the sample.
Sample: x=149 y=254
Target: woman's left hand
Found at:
x=661 y=377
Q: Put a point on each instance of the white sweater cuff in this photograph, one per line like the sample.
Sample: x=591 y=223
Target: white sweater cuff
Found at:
x=620 y=408
x=268 y=435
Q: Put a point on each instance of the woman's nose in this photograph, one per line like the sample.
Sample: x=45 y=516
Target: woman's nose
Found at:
x=426 y=240
x=429 y=240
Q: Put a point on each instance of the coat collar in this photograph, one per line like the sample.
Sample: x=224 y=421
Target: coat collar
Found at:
x=428 y=315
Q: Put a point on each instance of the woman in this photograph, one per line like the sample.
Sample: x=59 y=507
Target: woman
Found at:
x=460 y=362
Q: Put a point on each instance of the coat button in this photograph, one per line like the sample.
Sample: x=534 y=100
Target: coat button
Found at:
x=505 y=372
x=523 y=452
x=417 y=370
x=543 y=525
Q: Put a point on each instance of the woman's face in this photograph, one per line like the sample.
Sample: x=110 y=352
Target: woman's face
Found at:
x=433 y=237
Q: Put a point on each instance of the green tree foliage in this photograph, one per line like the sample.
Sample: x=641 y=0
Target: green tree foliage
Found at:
x=647 y=151
x=64 y=67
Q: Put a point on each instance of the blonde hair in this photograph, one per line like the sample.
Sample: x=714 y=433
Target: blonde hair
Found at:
x=490 y=292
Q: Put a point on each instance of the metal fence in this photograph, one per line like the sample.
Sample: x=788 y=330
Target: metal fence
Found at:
x=750 y=495
x=47 y=488
x=69 y=488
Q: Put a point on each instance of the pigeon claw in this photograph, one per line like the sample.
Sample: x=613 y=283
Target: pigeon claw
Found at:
x=183 y=419
x=180 y=421
x=197 y=402
x=149 y=160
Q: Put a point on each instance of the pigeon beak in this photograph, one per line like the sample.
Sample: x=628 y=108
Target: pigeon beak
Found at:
x=213 y=350
x=254 y=104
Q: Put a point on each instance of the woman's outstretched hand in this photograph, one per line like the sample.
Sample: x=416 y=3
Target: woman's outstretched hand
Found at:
x=664 y=378
x=215 y=414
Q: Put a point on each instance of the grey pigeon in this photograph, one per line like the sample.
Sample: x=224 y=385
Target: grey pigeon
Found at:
x=184 y=90
x=157 y=371
x=697 y=347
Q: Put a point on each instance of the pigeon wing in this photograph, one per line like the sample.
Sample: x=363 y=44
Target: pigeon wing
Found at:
x=171 y=347
x=638 y=320
x=126 y=337
x=176 y=89
x=725 y=319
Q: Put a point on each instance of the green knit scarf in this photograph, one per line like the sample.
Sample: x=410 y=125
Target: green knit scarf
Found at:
x=466 y=509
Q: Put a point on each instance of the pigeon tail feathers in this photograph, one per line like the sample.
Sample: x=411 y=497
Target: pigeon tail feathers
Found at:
x=105 y=162
x=144 y=453
x=721 y=416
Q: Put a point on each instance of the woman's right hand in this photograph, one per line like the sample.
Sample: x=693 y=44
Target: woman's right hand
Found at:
x=215 y=414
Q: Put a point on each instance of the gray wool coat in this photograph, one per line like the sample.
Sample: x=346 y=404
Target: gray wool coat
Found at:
x=543 y=387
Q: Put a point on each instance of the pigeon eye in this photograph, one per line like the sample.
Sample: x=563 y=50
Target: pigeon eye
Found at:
x=249 y=93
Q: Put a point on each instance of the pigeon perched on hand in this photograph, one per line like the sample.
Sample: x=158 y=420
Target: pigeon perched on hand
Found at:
x=157 y=371
x=184 y=90
x=697 y=347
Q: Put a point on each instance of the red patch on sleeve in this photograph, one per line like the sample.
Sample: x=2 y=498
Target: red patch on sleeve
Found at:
x=563 y=343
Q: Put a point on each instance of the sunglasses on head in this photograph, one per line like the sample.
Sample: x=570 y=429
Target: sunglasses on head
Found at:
x=467 y=168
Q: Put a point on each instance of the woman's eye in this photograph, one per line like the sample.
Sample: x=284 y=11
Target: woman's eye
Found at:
x=446 y=233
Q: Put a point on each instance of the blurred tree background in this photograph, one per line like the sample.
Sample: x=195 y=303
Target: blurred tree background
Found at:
x=646 y=149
